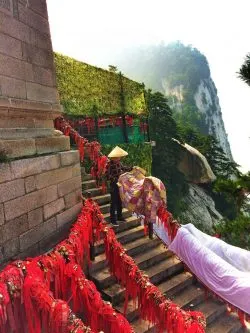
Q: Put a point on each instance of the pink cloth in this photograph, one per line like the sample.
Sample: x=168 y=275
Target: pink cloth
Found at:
x=218 y=275
x=237 y=257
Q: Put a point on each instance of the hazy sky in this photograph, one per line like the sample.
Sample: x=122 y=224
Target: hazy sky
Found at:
x=95 y=31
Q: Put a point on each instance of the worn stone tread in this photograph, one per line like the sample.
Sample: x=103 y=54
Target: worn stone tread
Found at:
x=142 y=326
x=189 y=297
x=103 y=277
x=149 y=258
x=125 y=213
x=87 y=184
x=226 y=323
x=164 y=269
x=212 y=309
x=105 y=208
x=86 y=177
x=101 y=199
x=176 y=284
x=131 y=248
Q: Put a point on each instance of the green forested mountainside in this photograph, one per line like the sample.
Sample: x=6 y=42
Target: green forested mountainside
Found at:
x=87 y=90
x=164 y=67
x=178 y=63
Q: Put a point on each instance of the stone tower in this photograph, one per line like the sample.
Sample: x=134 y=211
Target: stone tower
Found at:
x=40 y=184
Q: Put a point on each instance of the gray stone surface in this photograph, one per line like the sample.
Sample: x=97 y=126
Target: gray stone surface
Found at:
x=19 y=133
x=11 y=190
x=201 y=209
x=68 y=215
x=33 y=166
x=13 y=228
x=195 y=166
x=28 y=81
x=35 y=217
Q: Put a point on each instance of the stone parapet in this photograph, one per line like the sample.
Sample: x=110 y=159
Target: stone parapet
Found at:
x=39 y=198
x=34 y=146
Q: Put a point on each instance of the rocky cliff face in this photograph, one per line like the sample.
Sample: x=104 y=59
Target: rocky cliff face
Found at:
x=201 y=209
x=207 y=104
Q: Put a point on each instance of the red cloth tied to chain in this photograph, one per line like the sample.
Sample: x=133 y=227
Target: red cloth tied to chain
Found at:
x=168 y=222
x=13 y=276
x=4 y=303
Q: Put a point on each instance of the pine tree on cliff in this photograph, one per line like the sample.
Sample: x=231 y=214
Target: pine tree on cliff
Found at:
x=166 y=152
x=244 y=72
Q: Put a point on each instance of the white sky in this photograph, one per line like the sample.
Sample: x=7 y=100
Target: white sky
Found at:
x=95 y=31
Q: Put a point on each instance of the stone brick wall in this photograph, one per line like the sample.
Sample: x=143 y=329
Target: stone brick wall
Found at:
x=26 y=57
x=39 y=198
x=28 y=93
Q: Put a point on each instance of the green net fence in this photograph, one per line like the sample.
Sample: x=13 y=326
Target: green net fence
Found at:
x=114 y=135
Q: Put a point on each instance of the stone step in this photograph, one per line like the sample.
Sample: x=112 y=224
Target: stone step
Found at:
x=93 y=192
x=226 y=323
x=132 y=311
x=115 y=293
x=105 y=208
x=85 y=176
x=123 y=237
x=176 y=284
x=212 y=309
x=184 y=280
x=132 y=248
x=125 y=213
x=87 y=184
x=103 y=279
x=142 y=326
x=148 y=258
x=189 y=297
x=102 y=199
x=165 y=269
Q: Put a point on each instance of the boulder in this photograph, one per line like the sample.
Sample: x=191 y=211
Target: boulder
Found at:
x=194 y=165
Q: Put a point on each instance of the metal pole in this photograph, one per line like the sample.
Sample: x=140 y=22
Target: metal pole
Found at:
x=148 y=134
x=123 y=110
x=124 y=126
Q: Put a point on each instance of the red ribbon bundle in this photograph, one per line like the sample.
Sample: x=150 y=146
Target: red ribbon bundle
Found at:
x=44 y=313
x=143 y=127
x=28 y=285
x=168 y=222
x=92 y=147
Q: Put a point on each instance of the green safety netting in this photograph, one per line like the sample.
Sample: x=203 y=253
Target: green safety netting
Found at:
x=114 y=135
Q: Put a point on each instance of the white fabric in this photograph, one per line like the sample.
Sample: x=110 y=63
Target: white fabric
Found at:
x=237 y=257
x=161 y=232
x=219 y=276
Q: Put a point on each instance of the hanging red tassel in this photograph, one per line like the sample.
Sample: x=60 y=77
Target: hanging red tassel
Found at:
x=4 y=303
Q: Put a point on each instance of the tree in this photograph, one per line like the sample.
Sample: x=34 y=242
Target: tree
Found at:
x=163 y=129
x=113 y=69
x=244 y=72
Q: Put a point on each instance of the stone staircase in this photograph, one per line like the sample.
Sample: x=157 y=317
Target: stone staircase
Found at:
x=163 y=268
